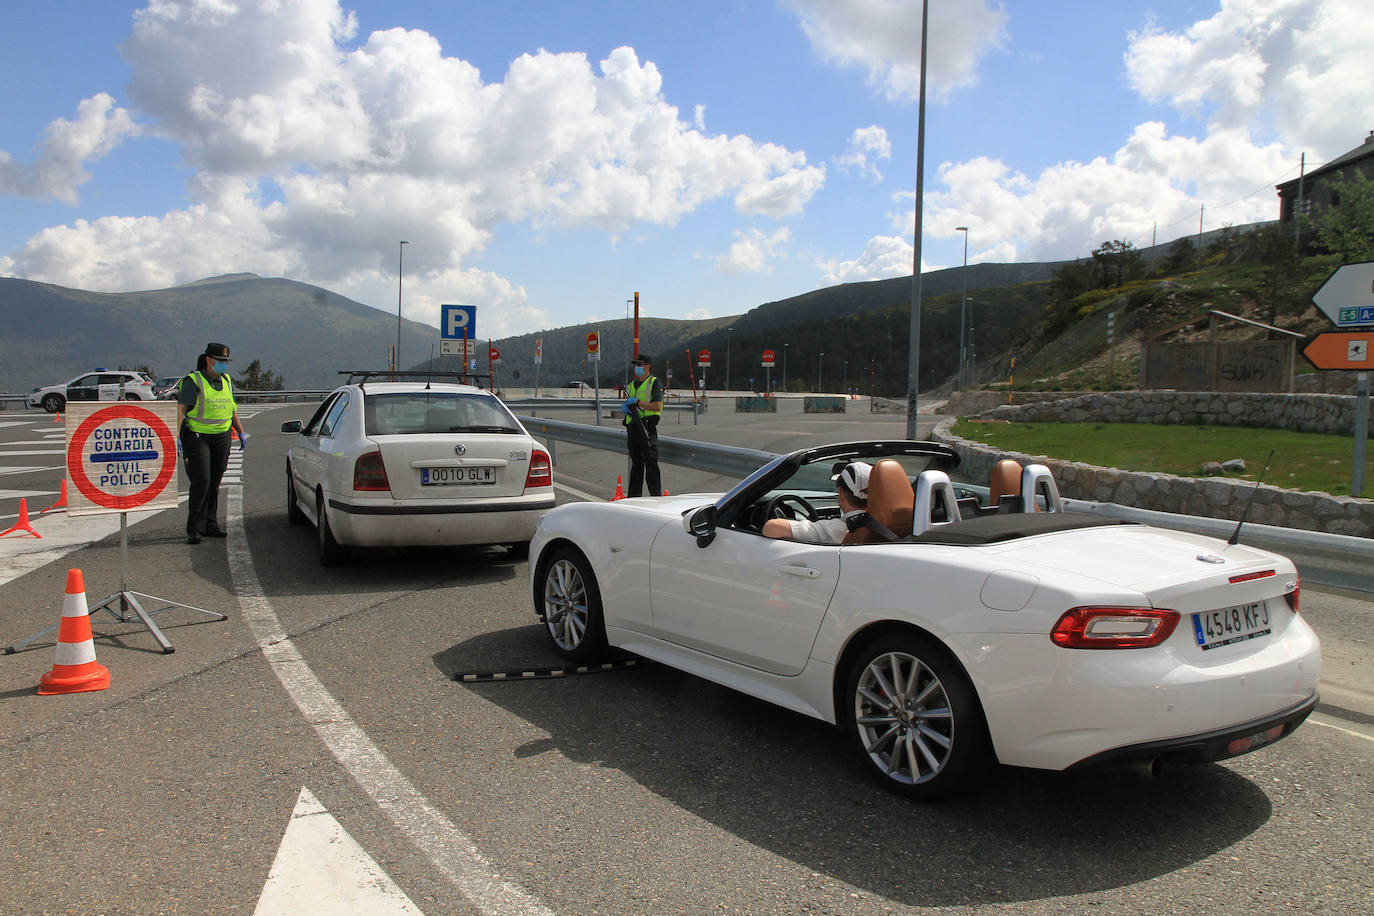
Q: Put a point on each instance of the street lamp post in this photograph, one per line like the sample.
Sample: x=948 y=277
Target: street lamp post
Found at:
x=400 y=266
x=844 y=377
x=820 y=364
x=784 y=366
x=963 y=310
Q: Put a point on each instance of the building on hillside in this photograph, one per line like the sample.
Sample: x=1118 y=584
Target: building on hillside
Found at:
x=1314 y=189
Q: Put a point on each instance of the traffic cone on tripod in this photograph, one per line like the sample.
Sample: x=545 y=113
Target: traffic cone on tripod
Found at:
x=61 y=500
x=75 y=669
x=57 y=417
x=23 y=523
x=619 y=490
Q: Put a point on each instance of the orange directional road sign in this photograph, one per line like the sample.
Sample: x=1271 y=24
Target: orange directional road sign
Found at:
x=1340 y=350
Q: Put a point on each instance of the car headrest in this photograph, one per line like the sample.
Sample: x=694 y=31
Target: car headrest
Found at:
x=1005 y=481
x=890 y=500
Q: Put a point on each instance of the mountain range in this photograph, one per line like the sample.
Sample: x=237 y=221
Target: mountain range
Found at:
x=307 y=334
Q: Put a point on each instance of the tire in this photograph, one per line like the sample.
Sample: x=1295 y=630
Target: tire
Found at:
x=570 y=606
x=332 y=553
x=294 y=515
x=54 y=403
x=907 y=702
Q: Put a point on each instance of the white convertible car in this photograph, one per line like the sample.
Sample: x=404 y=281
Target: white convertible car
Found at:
x=947 y=633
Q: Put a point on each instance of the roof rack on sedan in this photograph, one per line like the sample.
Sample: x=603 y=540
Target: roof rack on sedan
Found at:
x=362 y=376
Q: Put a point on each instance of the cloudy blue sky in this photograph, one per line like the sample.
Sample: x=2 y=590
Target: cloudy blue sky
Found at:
x=545 y=160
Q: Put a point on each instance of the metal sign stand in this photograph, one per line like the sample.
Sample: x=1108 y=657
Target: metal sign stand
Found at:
x=128 y=600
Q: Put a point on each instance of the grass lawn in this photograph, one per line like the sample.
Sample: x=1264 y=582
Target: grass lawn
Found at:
x=1302 y=461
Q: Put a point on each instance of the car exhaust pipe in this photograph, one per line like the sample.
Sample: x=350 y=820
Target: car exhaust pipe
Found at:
x=1147 y=769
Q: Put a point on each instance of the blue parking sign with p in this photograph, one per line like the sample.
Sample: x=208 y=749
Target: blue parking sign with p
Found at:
x=457 y=322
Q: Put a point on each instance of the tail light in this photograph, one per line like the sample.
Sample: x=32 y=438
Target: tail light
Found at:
x=369 y=473
x=541 y=470
x=1113 y=627
x=1292 y=596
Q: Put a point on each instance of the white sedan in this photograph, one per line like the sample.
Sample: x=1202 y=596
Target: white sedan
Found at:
x=946 y=633
x=413 y=464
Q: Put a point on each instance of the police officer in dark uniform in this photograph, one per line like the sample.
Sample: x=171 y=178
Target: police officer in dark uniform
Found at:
x=642 y=410
x=205 y=413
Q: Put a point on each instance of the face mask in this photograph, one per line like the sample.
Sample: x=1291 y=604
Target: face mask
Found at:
x=221 y=367
x=640 y=371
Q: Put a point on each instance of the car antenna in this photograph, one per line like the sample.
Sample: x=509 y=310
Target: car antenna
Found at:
x=1234 y=539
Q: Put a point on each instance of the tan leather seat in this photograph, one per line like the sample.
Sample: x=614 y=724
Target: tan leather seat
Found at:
x=890 y=500
x=1005 y=481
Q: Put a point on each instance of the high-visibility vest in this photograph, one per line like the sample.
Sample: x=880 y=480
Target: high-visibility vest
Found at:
x=642 y=390
x=214 y=410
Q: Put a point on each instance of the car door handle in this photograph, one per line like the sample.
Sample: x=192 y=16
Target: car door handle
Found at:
x=801 y=572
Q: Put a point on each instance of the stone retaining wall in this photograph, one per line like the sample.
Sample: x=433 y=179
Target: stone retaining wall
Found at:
x=1309 y=413
x=1209 y=497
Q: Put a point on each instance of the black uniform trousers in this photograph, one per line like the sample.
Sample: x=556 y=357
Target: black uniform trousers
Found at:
x=206 y=455
x=643 y=442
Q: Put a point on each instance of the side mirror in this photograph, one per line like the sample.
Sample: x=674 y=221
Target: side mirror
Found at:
x=700 y=523
x=291 y=426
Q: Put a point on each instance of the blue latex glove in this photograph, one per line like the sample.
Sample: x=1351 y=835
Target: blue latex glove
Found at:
x=629 y=403
x=632 y=401
x=243 y=440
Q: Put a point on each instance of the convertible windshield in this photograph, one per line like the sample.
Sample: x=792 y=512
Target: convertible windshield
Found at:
x=404 y=413
x=816 y=476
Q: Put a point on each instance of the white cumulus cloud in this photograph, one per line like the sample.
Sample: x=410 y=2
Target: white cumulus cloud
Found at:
x=59 y=168
x=752 y=251
x=865 y=144
x=883 y=38
x=313 y=153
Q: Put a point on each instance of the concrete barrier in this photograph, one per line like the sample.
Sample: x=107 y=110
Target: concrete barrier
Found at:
x=824 y=405
x=756 y=405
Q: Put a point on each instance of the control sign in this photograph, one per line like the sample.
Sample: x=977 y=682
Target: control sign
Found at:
x=493 y=355
x=704 y=359
x=121 y=457
x=593 y=346
x=767 y=359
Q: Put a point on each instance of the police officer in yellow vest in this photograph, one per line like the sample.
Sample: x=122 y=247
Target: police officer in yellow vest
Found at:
x=642 y=409
x=205 y=413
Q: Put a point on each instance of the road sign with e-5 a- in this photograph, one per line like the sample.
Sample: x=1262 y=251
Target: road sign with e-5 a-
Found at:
x=121 y=457
x=704 y=359
x=768 y=358
x=458 y=321
x=1347 y=296
x=1340 y=350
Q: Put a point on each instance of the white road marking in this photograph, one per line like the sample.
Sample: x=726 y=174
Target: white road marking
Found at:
x=451 y=851
x=27 y=494
x=30 y=470
x=576 y=492
x=1327 y=722
x=27 y=452
x=20 y=554
x=321 y=869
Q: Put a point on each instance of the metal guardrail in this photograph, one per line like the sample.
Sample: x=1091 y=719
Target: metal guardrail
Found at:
x=1337 y=560
x=703 y=456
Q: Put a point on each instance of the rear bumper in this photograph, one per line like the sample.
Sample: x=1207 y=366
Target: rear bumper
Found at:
x=498 y=521
x=1220 y=744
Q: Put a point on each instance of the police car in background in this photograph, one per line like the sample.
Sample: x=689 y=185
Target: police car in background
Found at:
x=86 y=387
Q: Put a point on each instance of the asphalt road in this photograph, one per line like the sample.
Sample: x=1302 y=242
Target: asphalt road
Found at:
x=634 y=791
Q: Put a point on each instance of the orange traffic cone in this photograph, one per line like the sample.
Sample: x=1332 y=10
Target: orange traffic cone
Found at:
x=619 y=491
x=665 y=491
x=57 y=417
x=75 y=668
x=61 y=500
x=23 y=523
